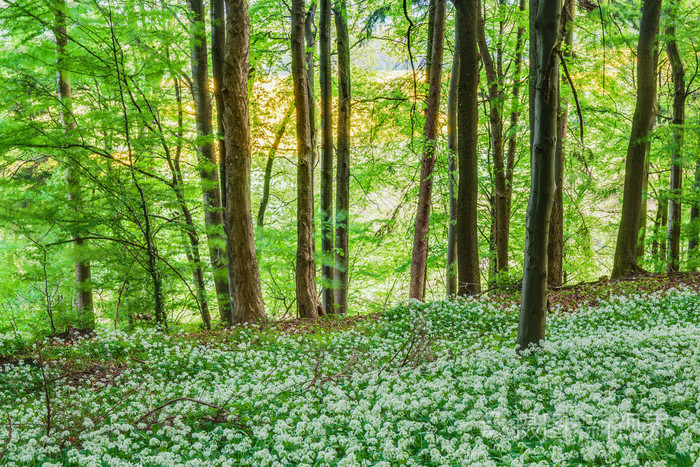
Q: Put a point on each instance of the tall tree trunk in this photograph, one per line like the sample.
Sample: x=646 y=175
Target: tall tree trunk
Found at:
x=310 y=38
x=213 y=218
x=218 y=51
x=674 y=211
x=308 y=304
x=178 y=186
x=430 y=132
x=495 y=99
x=658 y=245
x=467 y=125
x=326 y=82
x=248 y=304
x=511 y=134
x=452 y=101
x=544 y=73
x=342 y=179
x=268 y=167
x=83 y=285
x=645 y=205
x=626 y=251
x=555 y=253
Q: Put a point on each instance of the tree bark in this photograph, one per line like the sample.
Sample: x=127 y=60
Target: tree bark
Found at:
x=467 y=124
x=326 y=82
x=430 y=132
x=511 y=134
x=310 y=38
x=555 y=253
x=452 y=101
x=645 y=205
x=544 y=82
x=626 y=251
x=83 y=271
x=495 y=99
x=694 y=214
x=308 y=304
x=213 y=218
x=248 y=304
x=676 y=188
x=218 y=51
x=268 y=166
x=342 y=179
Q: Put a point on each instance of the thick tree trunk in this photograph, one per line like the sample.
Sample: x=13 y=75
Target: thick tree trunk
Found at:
x=626 y=251
x=495 y=99
x=674 y=211
x=308 y=304
x=342 y=179
x=430 y=132
x=248 y=304
x=544 y=72
x=555 y=253
x=326 y=82
x=467 y=123
x=452 y=101
x=83 y=301
x=213 y=218
x=267 y=177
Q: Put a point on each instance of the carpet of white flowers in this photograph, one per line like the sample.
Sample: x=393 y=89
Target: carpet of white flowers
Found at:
x=435 y=384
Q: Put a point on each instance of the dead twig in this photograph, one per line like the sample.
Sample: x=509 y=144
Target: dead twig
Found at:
x=178 y=399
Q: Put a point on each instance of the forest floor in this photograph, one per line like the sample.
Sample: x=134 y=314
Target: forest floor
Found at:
x=617 y=382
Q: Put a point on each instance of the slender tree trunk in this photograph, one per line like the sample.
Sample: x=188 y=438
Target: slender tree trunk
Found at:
x=495 y=99
x=268 y=167
x=544 y=82
x=83 y=285
x=342 y=179
x=645 y=205
x=674 y=211
x=642 y=122
x=658 y=245
x=555 y=253
x=514 y=117
x=467 y=124
x=310 y=38
x=326 y=82
x=430 y=132
x=213 y=218
x=248 y=304
x=218 y=51
x=452 y=102
x=190 y=229
x=308 y=304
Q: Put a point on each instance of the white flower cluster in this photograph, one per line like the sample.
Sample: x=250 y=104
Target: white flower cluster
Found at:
x=436 y=384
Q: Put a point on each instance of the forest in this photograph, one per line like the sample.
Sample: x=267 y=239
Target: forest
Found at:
x=349 y=232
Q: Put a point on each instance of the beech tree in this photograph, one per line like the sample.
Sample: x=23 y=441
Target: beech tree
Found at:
x=555 y=248
x=326 y=83
x=83 y=286
x=467 y=126
x=678 y=122
x=626 y=248
x=452 y=103
x=342 y=179
x=308 y=304
x=430 y=132
x=544 y=92
x=243 y=265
